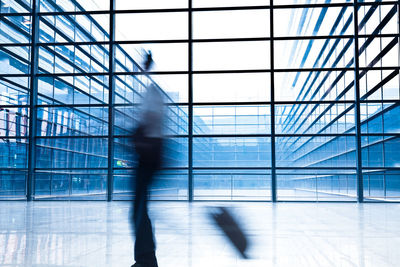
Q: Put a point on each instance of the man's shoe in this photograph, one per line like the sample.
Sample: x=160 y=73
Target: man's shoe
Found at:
x=140 y=265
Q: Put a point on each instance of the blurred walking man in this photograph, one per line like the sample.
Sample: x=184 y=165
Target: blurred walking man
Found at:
x=148 y=141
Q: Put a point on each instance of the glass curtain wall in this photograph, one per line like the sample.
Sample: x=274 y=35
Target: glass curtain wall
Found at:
x=294 y=100
x=15 y=70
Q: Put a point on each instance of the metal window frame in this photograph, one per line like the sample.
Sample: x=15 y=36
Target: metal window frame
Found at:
x=190 y=72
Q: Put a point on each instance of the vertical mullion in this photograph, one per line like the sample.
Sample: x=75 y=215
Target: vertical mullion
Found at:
x=110 y=166
x=272 y=78
x=33 y=101
x=190 y=101
x=360 y=186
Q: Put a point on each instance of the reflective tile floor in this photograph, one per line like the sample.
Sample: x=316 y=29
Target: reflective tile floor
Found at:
x=285 y=234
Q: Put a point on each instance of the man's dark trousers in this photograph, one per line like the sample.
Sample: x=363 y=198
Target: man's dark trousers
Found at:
x=149 y=162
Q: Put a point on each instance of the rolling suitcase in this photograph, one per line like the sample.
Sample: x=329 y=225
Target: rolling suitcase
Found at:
x=224 y=220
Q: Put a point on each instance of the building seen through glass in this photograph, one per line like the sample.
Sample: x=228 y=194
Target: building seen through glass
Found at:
x=248 y=103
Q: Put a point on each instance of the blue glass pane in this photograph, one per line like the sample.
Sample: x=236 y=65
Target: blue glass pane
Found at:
x=391 y=119
x=15 y=29
x=72 y=152
x=124 y=153
x=73 y=90
x=330 y=53
x=20 y=6
x=72 y=121
x=170 y=185
x=314 y=118
x=380 y=151
x=15 y=60
x=14 y=91
x=12 y=184
x=14 y=122
x=232 y=152
x=317 y=185
x=306 y=22
x=77 y=28
x=314 y=86
x=232 y=185
x=71 y=5
x=167 y=185
x=315 y=151
x=81 y=184
x=392 y=155
x=13 y=153
x=175 y=153
x=382 y=185
x=232 y=120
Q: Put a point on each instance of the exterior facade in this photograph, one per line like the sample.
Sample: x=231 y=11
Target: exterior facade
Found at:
x=277 y=100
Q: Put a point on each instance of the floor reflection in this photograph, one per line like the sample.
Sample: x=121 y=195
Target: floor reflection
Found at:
x=284 y=234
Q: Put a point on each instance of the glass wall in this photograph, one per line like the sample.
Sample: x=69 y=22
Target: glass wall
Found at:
x=265 y=100
x=15 y=69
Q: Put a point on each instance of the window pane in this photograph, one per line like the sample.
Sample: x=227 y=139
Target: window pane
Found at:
x=239 y=87
x=316 y=185
x=314 y=118
x=380 y=84
x=72 y=152
x=77 y=184
x=153 y=26
x=167 y=57
x=15 y=60
x=232 y=152
x=14 y=122
x=379 y=52
x=13 y=183
x=228 y=3
x=302 y=2
x=16 y=155
x=314 y=86
x=72 y=121
x=73 y=90
x=15 y=29
x=313 y=21
x=168 y=185
x=73 y=59
x=232 y=120
x=315 y=151
x=232 y=185
x=380 y=118
x=382 y=185
x=78 y=28
x=175 y=153
x=231 y=24
x=14 y=91
x=231 y=56
x=379 y=19
x=150 y=4
x=331 y=53
x=73 y=5
x=16 y=6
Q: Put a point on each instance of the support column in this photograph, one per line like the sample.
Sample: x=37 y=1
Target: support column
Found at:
x=111 y=87
x=272 y=66
x=190 y=101
x=357 y=113
x=33 y=86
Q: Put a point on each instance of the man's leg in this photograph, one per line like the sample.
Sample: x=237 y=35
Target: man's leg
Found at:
x=144 y=243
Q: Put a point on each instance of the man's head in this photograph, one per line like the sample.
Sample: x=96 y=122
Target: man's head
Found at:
x=148 y=62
